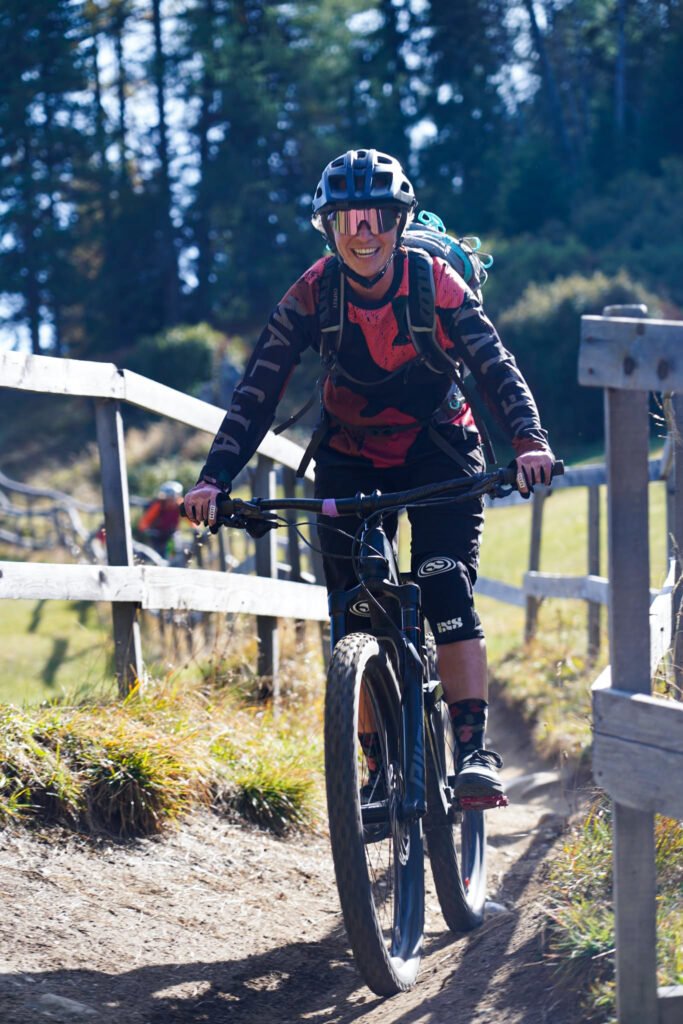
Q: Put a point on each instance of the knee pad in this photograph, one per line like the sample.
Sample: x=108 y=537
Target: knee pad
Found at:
x=447 y=599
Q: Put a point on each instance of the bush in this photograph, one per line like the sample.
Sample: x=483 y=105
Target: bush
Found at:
x=539 y=258
x=636 y=224
x=182 y=357
x=543 y=331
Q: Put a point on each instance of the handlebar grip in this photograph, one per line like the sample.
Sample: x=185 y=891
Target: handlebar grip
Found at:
x=224 y=506
x=510 y=475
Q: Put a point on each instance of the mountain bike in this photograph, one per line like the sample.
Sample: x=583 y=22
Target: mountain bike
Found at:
x=383 y=683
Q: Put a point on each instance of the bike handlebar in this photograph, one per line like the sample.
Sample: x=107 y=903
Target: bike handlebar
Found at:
x=235 y=511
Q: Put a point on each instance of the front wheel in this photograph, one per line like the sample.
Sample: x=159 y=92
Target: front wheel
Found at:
x=378 y=859
x=459 y=875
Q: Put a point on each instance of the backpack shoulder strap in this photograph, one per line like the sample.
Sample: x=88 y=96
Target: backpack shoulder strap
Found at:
x=331 y=310
x=421 y=317
x=421 y=314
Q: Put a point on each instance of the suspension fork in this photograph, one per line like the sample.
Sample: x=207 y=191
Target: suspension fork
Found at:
x=412 y=672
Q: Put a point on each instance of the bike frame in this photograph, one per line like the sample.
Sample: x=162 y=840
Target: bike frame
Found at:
x=402 y=633
x=398 y=621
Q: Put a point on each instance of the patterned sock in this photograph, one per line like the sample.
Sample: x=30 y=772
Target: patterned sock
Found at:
x=372 y=749
x=468 y=718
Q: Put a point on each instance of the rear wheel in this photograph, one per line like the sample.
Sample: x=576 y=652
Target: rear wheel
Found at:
x=456 y=839
x=378 y=857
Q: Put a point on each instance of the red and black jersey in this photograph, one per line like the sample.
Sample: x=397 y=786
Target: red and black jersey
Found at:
x=379 y=395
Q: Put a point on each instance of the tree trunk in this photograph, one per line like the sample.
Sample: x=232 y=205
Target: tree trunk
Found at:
x=620 y=83
x=169 y=251
x=550 y=90
x=202 y=235
x=32 y=292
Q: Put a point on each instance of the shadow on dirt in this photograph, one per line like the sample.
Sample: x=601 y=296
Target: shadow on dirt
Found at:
x=309 y=981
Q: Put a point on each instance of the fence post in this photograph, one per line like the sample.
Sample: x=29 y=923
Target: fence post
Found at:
x=676 y=531
x=626 y=431
x=293 y=553
x=318 y=572
x=533 y=603
x=593 y=569
x=127 y=647
x=266 y=565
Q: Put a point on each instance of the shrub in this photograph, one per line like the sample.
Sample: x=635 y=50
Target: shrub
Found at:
x=636 y=224
x=543 y=331
x=182 y=357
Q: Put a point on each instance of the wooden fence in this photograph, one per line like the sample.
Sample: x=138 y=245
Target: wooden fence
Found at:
x=130 y=588
x=638 y=737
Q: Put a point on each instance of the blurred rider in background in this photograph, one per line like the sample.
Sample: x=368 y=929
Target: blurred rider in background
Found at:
x=161 y=517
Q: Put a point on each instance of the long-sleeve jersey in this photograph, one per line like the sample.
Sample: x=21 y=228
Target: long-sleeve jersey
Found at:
x=380 y=395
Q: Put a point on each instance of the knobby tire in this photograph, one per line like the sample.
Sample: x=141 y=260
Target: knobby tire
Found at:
x=380 y=880
x=460 y=880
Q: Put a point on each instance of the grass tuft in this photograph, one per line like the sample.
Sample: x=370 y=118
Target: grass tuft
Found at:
x=580 y=908
x=131 y=768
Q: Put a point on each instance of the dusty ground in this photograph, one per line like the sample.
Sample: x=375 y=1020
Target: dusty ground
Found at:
x=222 y=923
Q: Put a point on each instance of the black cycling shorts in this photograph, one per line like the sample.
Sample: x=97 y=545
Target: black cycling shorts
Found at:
x=445 y=538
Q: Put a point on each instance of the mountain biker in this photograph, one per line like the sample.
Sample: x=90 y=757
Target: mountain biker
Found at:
x=161 y=517
x=390 y=422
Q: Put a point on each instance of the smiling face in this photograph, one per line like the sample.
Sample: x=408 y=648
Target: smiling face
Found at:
x=364 y=252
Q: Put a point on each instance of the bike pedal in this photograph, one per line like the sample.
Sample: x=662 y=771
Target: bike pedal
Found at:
x=483 y=803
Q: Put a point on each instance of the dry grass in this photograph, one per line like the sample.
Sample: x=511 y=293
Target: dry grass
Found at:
x=549 y=680
x=131 y=768
x=582 y=919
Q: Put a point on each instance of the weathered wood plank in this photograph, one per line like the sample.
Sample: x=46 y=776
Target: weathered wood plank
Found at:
x=576 y=588
x=638 y=748
x=593 y=567
x=266 y=567
x=532 y=601
x=214 y=591
x=508 y=593
x=160 y=587
x=54 y=376
x=626 y=431
x=676 y=536
x=79 y=377
x=642 y=777
x=37 y=581
x=639 y=718
x=661 y=620
x=174 y=405
x=631 y=353
x=114 y=478
x=670 y=1004
x=634 y=914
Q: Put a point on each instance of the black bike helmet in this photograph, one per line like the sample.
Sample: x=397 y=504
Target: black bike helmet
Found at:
x=358 y=178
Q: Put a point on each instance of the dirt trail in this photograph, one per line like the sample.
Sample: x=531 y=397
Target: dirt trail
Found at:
x=221 y=923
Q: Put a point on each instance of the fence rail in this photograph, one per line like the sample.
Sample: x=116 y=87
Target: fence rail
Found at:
x=110 y=386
